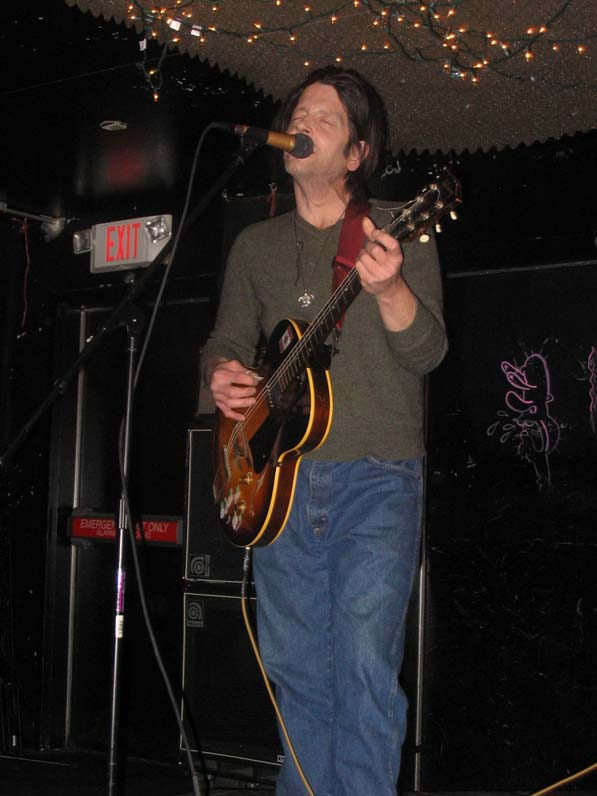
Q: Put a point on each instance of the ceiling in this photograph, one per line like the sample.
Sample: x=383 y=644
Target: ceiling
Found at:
x=455 y=74
x=66 y=72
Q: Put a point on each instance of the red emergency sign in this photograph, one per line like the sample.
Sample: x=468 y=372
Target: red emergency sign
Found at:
x=122 y=241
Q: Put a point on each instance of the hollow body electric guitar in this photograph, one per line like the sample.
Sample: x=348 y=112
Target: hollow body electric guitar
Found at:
x=256 y=459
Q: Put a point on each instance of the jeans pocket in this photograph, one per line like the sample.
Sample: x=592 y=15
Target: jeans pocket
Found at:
x=412 y=468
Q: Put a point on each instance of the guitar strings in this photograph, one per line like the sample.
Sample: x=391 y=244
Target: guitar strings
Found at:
x=333 y=299
x=283 y=371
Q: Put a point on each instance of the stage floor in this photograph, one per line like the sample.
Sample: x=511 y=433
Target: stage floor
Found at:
x=85 y=774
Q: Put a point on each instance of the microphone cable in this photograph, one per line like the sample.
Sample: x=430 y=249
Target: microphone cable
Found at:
x=197 y=790
x=566 y=781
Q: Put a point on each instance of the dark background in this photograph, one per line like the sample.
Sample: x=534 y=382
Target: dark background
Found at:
x=509 y=697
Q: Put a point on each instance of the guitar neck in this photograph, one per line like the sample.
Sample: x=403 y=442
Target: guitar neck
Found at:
x=318 y=330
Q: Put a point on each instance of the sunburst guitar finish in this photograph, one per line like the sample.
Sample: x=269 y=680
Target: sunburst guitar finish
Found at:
x=256 y=460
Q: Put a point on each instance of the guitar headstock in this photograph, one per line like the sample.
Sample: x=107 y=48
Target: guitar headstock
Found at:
x=432 y=202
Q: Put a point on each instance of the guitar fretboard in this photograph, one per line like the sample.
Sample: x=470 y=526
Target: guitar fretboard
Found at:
x=316 y=333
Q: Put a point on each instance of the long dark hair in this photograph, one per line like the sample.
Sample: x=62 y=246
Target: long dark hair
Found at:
x=366 y=117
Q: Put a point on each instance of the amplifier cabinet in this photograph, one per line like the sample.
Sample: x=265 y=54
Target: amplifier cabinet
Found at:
x=226 y=709
x=209 y=556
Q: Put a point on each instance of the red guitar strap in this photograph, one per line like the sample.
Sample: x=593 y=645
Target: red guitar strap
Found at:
x=349 y=245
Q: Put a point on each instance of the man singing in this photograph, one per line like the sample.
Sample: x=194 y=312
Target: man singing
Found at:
x=333 y=589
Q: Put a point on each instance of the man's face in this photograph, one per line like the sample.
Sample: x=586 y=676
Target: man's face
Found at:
x=320 y=114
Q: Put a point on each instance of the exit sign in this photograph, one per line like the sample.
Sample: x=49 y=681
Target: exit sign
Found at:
x=132 y=243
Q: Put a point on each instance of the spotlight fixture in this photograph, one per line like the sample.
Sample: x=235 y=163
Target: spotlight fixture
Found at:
x=158 y=228
x=51 y=226
x=82 y=241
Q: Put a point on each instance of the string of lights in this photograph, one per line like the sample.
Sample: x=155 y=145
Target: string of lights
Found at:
x=432 y=31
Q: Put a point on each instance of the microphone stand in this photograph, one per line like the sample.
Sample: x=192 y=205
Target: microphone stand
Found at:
x=134 y=328
x=122 y=309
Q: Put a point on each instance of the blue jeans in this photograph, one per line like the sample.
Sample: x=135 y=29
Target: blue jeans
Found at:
x=332 y=596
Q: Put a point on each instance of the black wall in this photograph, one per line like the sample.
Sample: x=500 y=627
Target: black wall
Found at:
x=512 y=603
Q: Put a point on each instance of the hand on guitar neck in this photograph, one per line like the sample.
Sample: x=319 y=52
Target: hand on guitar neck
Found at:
x=233 y=387
x=379 y=264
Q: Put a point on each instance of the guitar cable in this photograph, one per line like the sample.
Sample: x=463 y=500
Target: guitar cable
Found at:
x=268 y=686
x=566 y=781
x=244 y=600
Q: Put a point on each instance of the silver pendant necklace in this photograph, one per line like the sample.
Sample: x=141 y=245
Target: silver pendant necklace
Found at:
x=306 y=298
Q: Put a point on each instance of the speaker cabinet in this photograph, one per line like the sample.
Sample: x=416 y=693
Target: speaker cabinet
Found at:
x=209 y=555
x=226 y=707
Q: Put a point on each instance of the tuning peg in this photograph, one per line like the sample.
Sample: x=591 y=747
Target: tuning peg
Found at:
x=424 y=238
x=453 y=215
x=438 y=228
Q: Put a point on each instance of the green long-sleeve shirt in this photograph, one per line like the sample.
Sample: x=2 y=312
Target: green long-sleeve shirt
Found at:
x=377 y=375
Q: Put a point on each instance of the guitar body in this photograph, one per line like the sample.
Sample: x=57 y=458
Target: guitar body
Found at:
x=256 y=460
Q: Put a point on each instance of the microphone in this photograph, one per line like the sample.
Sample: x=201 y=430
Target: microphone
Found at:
x=298 y=145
